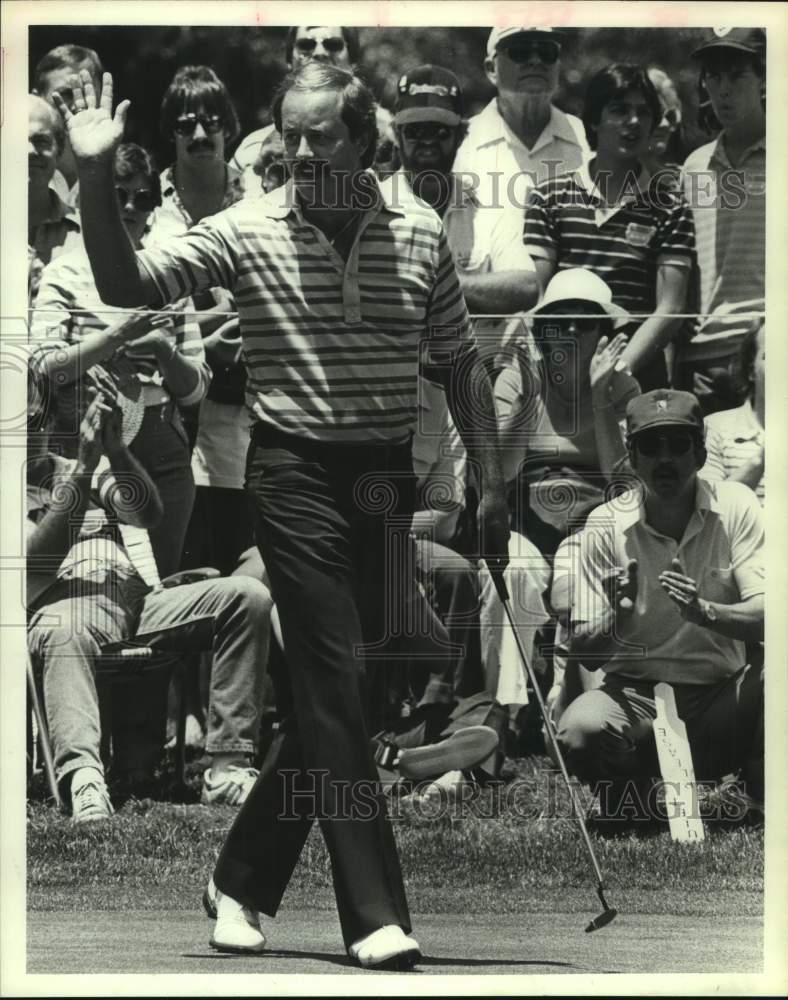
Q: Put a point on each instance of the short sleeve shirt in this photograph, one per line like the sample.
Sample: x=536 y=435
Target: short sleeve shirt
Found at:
x=567 y=222
x=331 y=345
x=722 y=550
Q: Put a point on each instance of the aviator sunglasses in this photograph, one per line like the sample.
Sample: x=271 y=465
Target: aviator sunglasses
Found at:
x=426 y=132
x=548 y=52
x=308 y=45
x=143 y=201
x=186 y=124
x=678 y=442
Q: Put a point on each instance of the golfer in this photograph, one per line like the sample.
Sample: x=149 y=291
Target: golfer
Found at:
x=337 y=283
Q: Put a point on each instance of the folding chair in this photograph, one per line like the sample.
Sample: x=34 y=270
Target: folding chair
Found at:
x=127 y=659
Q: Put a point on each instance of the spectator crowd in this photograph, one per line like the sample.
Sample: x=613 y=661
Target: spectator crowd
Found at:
x=297 y=397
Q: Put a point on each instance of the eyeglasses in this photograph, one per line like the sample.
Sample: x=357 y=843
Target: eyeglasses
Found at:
x=143 y=201
x=308 y=45
x=648 y=443
x=427 y=132
x=671 y=118
x=548 y=52
x=186 y=124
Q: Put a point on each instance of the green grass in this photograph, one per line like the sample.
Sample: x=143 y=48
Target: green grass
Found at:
x=157 y=854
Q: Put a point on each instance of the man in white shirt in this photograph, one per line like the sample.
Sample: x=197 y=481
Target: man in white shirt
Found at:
x=669 y=588
x=521 y=138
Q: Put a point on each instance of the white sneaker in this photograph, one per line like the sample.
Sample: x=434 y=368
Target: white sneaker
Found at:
x=237 y=927
x=231 y=787
x=90 y=801
x=388 y=947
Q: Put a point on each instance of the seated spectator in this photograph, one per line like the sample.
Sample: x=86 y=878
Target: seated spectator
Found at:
x=608 y=218
x=164 y=355
x=553 y=421
x=725 y=182
x=338 y=46
x=669 y=588
x=54 y=74
x=84 y=592
x=735 y=438
x=52 y=225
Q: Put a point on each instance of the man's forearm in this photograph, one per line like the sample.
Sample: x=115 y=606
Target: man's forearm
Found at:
x=499 y=292
x=182 y=376
x=130 y=491
x=55 y=533
x=652 y=336
x=70 y=364
x=470 y=400
x=112 y=258
x=743 y=621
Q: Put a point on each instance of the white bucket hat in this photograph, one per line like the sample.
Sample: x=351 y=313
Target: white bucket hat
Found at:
x=576 y=284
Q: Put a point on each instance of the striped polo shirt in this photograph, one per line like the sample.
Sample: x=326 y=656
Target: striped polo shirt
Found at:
x=568 y=222
x=69 y=308
x=331 y=347
x=733 y=438
x=729 y=208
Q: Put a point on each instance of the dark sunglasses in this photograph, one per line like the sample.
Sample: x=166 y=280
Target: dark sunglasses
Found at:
x=427 y=132
x=143 y=201
x=308 y=45
x=548 y=52
x=186 y=124
x=678 y=442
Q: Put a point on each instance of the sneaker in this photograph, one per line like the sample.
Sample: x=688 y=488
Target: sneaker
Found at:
x=231 y=787
x=90 y=802
x=237 y=927
x=386 y=948
x=464 y=749
x=447 y=788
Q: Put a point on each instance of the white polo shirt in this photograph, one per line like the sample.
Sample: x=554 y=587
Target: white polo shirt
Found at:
x=722 y=550
x=506 y=167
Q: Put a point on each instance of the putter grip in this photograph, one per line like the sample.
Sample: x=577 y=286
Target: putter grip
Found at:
x=496 y=572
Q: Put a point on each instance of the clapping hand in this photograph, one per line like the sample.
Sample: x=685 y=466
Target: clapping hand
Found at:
x=92 y=130
x=625 y=582
x=603 y=362
x=91 y=444
x=683 y=591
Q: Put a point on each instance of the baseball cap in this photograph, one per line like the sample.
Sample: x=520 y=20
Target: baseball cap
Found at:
x=751 y=40
x=498 y=35
x=663 y=407
x=579 y=285
x=428 y=94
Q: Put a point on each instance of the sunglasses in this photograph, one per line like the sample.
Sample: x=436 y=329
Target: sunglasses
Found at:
x=143 y=201
x=548 y=52
x=427 y=132
x=648 y=443
x=186 y=124
x=308 y=45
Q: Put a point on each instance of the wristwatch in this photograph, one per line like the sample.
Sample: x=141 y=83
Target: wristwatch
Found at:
x=707 y=611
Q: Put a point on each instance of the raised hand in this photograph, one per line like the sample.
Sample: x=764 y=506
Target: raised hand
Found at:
x=92 y=130
x=604 y=360
x=91 y=445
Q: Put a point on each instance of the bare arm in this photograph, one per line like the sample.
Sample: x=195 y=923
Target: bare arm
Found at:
x=499 y=292
x=655 y=332
x=742 y=620
x=609 y=442
x=94 y=136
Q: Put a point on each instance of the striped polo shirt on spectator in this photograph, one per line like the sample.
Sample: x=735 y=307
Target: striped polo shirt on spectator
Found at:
x=331 y=347
x=567 y=221
x=69 y=308
x=729 y=207
x=733 y=438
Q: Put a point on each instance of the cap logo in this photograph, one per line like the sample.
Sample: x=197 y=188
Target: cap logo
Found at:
x=431 y=88
x=722 y=32
x=662 y=404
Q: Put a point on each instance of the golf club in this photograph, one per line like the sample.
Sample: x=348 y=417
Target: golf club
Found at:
x=608 y=912
x=43 y=734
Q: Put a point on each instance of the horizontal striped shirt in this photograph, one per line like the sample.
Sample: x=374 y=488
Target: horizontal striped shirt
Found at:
x=331 y=347
x=568 y=222
x=69 y=308
x=729 y=208
x=733 y=438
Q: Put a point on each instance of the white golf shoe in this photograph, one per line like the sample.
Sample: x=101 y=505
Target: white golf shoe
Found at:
x=237 y=927
x=386 y=948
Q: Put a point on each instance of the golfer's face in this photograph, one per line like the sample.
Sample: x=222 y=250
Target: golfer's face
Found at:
x=319 y=150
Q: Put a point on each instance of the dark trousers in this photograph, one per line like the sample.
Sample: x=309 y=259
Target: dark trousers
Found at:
x=220 y=529
x=331 y=523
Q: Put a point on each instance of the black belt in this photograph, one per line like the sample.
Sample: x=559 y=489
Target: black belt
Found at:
x=268 y=436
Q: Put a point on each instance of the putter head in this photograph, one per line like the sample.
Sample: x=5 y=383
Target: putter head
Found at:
x=605 y=917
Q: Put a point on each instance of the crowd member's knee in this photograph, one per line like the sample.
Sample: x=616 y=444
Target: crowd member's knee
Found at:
x=67 y=639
